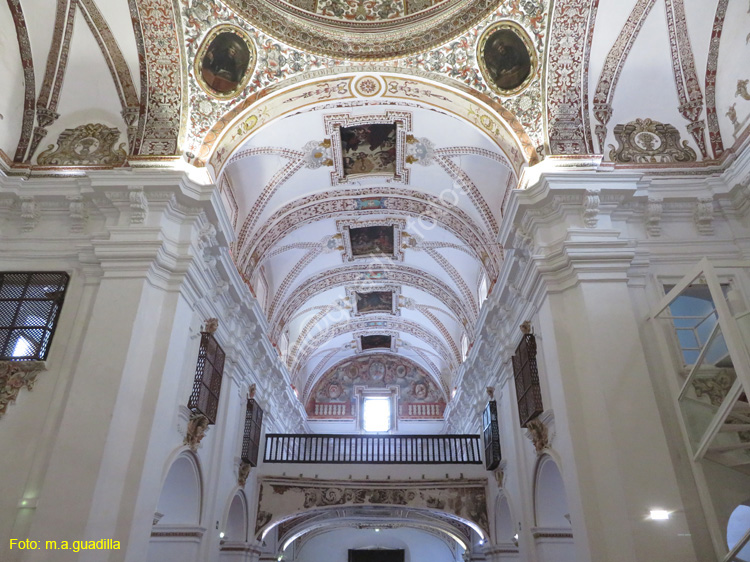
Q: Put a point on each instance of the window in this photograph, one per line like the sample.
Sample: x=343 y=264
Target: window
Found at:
x=483 y=290
x=464 y=347
x=30 y=305
x=207 y=385
x=376 y=414
x=527 y=380
x=253 y=430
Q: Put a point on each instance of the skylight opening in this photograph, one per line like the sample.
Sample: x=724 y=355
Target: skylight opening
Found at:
x=376 y=414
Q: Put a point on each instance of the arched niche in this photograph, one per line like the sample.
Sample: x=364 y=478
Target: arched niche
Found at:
x=181 y=495
x=505 y=526
x=550 y=500
x=235 y=529
x=553 y=536
x=177 y=534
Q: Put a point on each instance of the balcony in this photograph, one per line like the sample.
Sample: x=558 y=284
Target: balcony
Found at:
x=372 y=449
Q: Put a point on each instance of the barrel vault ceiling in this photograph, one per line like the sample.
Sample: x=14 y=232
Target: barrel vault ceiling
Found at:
x=333 y=250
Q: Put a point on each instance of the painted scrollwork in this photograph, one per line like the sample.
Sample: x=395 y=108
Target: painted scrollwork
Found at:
x=92 y=144
x=645 y=141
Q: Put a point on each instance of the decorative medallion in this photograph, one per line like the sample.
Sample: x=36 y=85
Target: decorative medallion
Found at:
x=644 y=141
x=368 y=86
x=87 y=145
x=372 y=239
x=506 y=57
x=225 y=61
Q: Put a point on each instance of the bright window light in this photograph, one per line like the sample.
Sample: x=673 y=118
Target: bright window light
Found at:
x=658 y=515
x=377 y=414
x=23 y=348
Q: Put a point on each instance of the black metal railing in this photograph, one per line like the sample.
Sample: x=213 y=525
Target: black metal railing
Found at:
x=377 y=449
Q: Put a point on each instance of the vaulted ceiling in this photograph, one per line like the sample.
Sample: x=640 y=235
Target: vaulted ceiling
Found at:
x=639 y=82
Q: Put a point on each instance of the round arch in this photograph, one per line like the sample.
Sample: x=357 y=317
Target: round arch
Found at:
x=235 y=527
x=181 y=497
x=263 y=108
x=550 y=499
x=505 y=526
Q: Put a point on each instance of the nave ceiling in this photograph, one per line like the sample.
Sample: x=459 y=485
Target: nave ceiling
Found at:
x=116 y=83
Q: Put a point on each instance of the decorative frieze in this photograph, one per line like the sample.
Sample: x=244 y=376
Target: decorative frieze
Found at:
x=462 y=499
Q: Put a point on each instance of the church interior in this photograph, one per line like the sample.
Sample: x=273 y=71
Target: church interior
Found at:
x=375 y=280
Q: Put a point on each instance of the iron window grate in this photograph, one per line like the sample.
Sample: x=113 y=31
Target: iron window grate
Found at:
x=30 y=304
x=527 y=380
x=208 y=373
x=253 y=430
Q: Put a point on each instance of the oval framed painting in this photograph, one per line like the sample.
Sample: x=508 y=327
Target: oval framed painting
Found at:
x=506 y=57
x=225 y=61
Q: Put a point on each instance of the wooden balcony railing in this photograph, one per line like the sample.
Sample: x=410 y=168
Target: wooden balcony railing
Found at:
x=373 y=449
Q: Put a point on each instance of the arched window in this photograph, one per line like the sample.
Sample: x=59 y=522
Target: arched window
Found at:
x=483 y=289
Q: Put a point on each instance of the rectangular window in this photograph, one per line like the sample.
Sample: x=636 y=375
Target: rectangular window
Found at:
x=376 y=414
x=207 y=385
x=253 y=430
x=30 y=305
x=492 y=455
x=527 y=380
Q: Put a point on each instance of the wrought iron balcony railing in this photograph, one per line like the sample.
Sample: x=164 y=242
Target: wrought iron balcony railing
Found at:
x=373 y=449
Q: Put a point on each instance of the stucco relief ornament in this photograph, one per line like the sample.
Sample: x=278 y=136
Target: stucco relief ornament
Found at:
x=243 y=473
x=15 y=375
x=88 y=145
x=591 y=208
x=196 y=431
x=212 y=324
x=654 y=210
x=419 y=151
x=644 y=141
x=538 y=434
x=317 y=154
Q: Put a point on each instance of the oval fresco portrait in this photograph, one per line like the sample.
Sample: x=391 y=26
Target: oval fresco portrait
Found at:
x=506 y=58
x=225 y=61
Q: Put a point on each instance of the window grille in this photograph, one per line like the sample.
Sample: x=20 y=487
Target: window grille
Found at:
x=207 y=385
x=527 y=380
x=253 y=429
x=30 y=306
x=491 y=431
